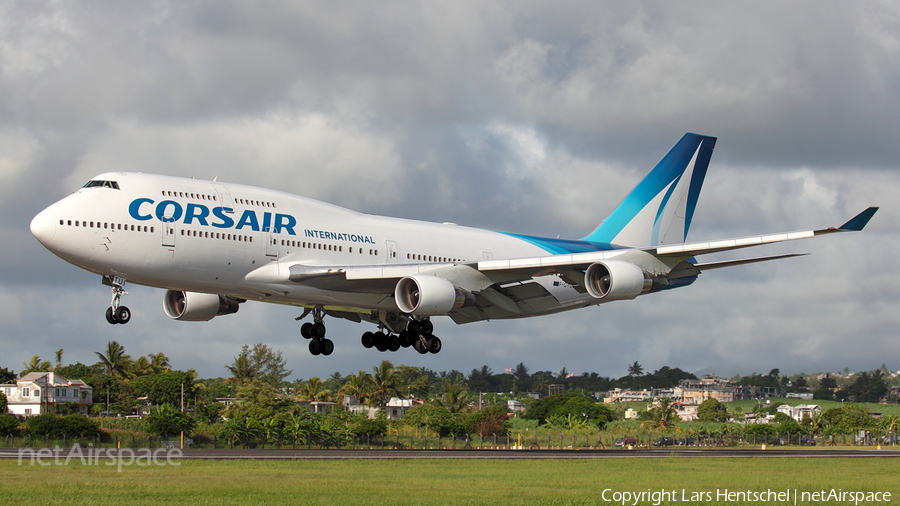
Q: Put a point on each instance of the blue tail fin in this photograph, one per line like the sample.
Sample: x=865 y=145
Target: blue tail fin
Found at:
x=659 y=209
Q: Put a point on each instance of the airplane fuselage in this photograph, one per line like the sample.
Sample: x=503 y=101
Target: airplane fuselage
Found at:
x=200 y=236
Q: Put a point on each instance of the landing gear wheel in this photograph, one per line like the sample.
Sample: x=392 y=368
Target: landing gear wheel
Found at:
x=314 y=347
x=110 y=316
x=420 y=346
x=381 y=342
x=305 y=330
x=406 y=338
x=393 y=342
x=123 y=315
x=326 y=347
x=426 y=327
x=317 y=330
x=434 y=344
x=368 y=339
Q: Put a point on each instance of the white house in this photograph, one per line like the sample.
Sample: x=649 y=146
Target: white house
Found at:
x=40 y=392
x=800 y=411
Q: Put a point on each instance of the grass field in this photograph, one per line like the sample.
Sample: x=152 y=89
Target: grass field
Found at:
x=368 y=482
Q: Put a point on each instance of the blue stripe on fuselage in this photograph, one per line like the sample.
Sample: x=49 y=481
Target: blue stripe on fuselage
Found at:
x=562 y=246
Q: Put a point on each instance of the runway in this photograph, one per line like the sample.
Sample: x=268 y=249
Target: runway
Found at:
x=107 y=454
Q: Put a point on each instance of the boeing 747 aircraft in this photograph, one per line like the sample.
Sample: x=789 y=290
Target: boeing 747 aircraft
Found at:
x=213 y=246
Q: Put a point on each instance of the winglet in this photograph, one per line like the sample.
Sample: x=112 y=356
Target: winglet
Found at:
x=859 y=221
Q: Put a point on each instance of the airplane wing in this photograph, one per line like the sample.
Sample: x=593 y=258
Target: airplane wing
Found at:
x=508 y=285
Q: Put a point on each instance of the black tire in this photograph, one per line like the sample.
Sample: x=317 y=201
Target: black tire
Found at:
x=110 y=316
x=412 y=326
x=426 y=327
x=381 y=342
x=406 y=338
x=420 y=346
x=314 y=347
x=123 y=315
x=305 y=330
x=434 y=344
x=368 y=339
x=317 y=330
x=393 y=342
x=326 y=346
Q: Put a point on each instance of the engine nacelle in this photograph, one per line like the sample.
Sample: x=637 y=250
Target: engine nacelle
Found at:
x=197 y=307
x=430 y=296
x=615 y=280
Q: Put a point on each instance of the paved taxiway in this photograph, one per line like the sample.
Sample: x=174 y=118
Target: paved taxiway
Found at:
x=286 y=454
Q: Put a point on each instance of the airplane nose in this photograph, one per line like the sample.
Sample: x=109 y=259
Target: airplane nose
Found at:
x=43 y=226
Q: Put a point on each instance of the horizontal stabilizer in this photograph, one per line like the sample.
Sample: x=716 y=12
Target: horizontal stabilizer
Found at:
x=744 y=261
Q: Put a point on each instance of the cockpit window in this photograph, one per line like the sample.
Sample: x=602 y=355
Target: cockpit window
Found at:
x=101 y=184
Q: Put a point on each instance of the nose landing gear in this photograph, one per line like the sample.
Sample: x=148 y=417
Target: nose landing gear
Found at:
x=116 y=313
x=315 y=332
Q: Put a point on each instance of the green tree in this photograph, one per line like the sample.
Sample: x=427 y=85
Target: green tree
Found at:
x=434 y=418
x=260 y=362
x=9 y=425
x=455 y=398
x=7 y=376
x=360 y=386
x=490 y=421
x=36 y=365
x=78 y=371
x=522 y=378
x=662 y=415
x=114 y=361
x=635 y=370
x=711 y=410
x=314 y=391
x=59 y=356
x=385 y=382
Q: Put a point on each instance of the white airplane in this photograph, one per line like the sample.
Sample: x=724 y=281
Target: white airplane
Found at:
x=213 y=246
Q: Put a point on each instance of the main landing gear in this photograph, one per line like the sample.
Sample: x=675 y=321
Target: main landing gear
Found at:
x=418 y=334
x=116 y=313
x=315 y=332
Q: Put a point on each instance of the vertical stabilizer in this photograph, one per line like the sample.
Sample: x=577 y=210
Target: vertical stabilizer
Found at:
x=659 y=209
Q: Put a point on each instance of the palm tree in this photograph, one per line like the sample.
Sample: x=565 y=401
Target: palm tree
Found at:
x=159 y=363
x=360 y=386
x=59 y=355
x=455 y=399
x=314 y=391
x=384 y=382
x=634 y=370
x=115 y=362
x=663 y=415
x=140 y=367
x=36 y=365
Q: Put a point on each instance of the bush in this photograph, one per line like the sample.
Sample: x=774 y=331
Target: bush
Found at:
x=9 y=425
x=490 y=421
x=165 y=420
x=569 y=404
x=56 y=427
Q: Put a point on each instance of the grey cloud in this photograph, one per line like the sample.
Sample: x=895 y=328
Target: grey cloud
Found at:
x=516 y=116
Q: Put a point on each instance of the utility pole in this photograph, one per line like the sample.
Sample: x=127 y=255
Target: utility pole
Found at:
x=182 y=397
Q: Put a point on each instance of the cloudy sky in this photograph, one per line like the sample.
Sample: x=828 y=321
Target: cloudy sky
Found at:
x=529 y=117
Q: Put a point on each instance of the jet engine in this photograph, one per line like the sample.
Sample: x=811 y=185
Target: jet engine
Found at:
x=616 y=280
x=197 y=307
x=430 y=296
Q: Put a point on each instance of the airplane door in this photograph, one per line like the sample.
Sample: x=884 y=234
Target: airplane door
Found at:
x=168 y=231
x=393 y=252
x=224 y=197
x=271 y=244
